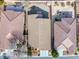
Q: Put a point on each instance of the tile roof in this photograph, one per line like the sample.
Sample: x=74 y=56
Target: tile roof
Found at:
x=69 y=40
x=63 y=27
x=67 y=43
x=7 y=27
x=61 y=47
x=11 y=15
x=68 y=20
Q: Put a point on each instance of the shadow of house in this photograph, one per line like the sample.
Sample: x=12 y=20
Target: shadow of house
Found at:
x=16 y=8
x=62 y=14
x=36 y=10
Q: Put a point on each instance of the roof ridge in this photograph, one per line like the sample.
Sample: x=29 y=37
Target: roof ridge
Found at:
x=13 y=18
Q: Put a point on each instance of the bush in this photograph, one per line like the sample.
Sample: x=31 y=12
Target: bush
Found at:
x=78 y=49
x=29 y=51
x=75 y=53
x=54 y=53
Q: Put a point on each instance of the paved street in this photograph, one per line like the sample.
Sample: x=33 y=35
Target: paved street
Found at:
x=70 y=57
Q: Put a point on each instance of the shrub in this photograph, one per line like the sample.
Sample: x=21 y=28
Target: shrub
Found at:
x=54 y=53
x=75 y=53
x=29 y=51
x=78 y=49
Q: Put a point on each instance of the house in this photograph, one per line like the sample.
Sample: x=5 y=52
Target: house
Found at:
x=39 y=27
x=64 y=27
x=65 y=35
x=11 y=23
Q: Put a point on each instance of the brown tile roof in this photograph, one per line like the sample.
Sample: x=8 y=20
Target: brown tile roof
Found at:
x=63 y=27
x=11 y=15
x=68 y=20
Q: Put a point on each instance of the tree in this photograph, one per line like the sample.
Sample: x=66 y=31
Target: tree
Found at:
x=1 y=2
x=78 y=49
x=16 y=37
x=54 y=53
